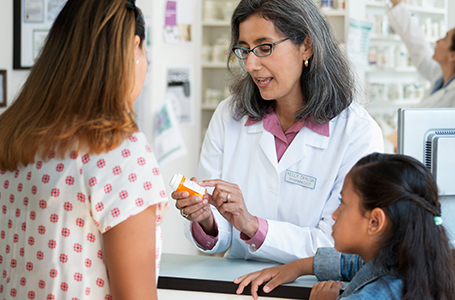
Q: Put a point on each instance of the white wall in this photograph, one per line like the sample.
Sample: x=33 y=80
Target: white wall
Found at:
x=451 y=17
x=162 y=56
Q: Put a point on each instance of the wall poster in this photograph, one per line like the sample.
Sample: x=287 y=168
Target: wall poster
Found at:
x=32 y=22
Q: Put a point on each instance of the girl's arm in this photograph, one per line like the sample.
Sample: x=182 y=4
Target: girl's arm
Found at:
x=275 y=276
x=129 y=251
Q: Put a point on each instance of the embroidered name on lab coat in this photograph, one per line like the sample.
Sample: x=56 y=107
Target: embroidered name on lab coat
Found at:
x=300 y=179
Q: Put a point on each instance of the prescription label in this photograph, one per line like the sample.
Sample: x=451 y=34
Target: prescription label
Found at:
x=300 y=179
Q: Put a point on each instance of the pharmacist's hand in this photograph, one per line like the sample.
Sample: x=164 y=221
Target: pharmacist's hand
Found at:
x=195 y=208
x=274 y=276
x=326 y=290
x=228 y=199
x=395 y=2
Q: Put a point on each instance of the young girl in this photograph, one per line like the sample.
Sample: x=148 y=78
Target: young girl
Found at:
x=389 y=221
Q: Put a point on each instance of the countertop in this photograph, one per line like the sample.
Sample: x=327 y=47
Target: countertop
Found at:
x=216 y=275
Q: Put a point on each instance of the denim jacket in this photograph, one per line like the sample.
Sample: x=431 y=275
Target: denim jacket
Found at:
x=366 y=280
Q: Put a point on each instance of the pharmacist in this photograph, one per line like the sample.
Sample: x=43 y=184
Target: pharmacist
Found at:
x=276 y=153
x=438 y=66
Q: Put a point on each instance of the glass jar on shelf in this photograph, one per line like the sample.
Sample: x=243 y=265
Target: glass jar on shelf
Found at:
x=401 y=57
x=206 y=53
x=327 y=4
x=228 y=10
x=409 y=91
x=372 y=57
x=395 y=91
x=209 y=10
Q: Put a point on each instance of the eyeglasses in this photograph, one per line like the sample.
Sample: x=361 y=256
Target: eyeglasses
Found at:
x=261 y=50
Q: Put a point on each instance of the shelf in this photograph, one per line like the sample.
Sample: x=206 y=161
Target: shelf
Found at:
x=334 y=12
x=395 y=38
x=428 y=10
x=216 y=23
x=206 y=106
x=412 y=8
x=394 y=103
x=395 y=70
x=214 y=65
x=376 y=4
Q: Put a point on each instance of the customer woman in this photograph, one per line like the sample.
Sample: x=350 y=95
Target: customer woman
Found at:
x=80 y=191
x=277 y=151
x=437 y=66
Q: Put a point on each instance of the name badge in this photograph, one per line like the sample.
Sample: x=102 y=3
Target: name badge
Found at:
x=300 y=179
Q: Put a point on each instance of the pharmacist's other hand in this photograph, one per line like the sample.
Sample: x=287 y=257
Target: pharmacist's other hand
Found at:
x=274 y=276
x=195 y=208
x=395 y=2
x=228 y=199
x=326 y=290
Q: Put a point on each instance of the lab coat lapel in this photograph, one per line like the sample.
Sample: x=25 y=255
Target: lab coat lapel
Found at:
x=266 y=142
x=298 y=149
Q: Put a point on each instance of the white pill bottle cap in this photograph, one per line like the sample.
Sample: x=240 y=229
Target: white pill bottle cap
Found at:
x=175 y=181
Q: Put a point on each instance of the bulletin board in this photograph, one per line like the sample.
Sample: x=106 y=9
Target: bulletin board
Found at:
x=32 y=22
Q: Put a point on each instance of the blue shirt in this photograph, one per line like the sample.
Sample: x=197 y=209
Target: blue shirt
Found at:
x=367 y=281
x=438 y=84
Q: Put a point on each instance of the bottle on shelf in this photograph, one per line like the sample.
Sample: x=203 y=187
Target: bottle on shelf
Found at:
x=327 y=4
x=209 y=10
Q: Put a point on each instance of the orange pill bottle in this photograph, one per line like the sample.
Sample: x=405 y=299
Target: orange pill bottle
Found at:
x=180 y=183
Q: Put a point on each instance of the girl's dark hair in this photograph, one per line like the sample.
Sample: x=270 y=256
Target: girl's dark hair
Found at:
x=327 y=84
x=414 y=245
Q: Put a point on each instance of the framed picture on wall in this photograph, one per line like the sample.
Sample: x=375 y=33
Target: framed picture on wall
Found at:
x=32 y=21
x=2 y=88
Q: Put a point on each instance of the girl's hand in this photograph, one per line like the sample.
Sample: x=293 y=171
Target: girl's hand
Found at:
x=326 y=290
x=228 y=199
x=275 y=276
x=195 y=208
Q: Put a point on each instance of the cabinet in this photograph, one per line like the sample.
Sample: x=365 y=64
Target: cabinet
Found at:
x=391 y=81
x=216 y=17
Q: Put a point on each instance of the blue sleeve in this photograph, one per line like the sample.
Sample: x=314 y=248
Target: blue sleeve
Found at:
x=330 y=264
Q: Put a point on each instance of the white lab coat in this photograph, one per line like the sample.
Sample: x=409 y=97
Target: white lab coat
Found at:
x=422 y=56
x=299 y=218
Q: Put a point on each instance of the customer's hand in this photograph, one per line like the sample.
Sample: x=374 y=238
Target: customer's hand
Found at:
x=228 y=199
x=326 y=290
x=274 y=276
x=195 y=209
x=395 y=2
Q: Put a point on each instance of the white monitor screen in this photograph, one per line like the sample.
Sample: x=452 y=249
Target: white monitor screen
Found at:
x=428 y=134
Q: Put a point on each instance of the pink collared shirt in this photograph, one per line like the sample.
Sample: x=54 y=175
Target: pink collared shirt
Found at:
x=282 y=142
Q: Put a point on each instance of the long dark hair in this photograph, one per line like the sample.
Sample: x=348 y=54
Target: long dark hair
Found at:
x=79 y=89
x=327 y=84
x=414 y=245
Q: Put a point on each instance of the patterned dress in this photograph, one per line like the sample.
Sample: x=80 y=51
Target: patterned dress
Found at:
x=55 y=211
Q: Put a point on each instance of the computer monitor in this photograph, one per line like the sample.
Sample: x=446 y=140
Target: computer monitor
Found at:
x=428 y=134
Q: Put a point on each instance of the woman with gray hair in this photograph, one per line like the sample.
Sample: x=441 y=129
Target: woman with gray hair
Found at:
x=276 y=152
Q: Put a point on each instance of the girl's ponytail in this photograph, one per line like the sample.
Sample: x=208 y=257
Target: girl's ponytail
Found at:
x=416 y=245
